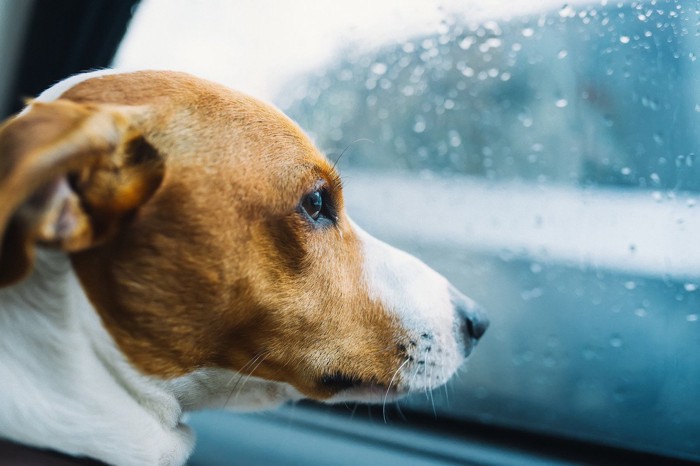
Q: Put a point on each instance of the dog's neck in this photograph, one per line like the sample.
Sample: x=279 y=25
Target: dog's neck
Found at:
x=64 y=385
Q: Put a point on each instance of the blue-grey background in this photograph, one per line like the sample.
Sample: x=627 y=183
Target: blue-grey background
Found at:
x=591 y=108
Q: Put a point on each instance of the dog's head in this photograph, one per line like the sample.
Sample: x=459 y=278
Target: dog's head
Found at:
x=208 y=232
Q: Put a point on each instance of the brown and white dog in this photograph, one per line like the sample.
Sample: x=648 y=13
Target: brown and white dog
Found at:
x=168 y=245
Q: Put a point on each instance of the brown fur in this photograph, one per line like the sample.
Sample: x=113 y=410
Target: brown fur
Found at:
x=198 y=254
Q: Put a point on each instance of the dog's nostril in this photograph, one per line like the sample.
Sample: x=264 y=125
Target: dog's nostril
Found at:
x=476 y=322
x=476 y=326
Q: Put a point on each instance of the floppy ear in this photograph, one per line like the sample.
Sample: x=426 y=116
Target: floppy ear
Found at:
x=70 y=175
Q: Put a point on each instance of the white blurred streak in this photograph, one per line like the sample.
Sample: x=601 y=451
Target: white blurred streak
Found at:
x=257 y=45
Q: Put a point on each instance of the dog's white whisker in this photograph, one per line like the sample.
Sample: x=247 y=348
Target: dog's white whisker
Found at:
x=388 y=388
x=240 y=374
x=248 y=377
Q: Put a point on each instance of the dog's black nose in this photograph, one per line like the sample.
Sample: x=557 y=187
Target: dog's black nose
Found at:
x=476 y=321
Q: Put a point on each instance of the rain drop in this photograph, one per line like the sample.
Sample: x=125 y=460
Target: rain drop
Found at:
x=419 y=125
x=616 y=341
x=379 y=68
x=466 y=43
x=468 y=72
x=566 y=11
x=455 y=140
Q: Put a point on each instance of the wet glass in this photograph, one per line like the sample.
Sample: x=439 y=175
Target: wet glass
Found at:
x=545 y=161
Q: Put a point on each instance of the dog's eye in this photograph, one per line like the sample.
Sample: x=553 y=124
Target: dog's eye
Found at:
x=313 y=204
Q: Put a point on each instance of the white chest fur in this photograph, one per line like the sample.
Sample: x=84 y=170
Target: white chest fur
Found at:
x=64 y=384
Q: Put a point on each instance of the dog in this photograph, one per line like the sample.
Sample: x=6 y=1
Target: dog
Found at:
x=169 y=245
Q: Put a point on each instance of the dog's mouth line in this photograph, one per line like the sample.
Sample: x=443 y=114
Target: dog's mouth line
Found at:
x=339 y=383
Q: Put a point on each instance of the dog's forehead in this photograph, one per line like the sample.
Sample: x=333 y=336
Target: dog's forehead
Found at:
x=194 y=121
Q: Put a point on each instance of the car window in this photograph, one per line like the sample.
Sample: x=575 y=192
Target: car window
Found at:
x=542 y=155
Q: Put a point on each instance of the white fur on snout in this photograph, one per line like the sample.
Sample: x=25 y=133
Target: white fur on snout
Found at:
x=420 y=298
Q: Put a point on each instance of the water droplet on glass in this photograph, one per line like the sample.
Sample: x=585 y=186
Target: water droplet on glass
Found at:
x=566 y=11
x=535 y=268
x=658 y=139
x=379 y=68
x=616 y=341
x=466 y=43
x=690 y=287
x=525 y=119
x=640 y=312
x=624 y=39
x=657 y=196
x=691 y=203
x=692 y=317
x=493 y=43
x=419 y=125
x=528 y=32
x=625 y=170
x=534 y=293
x=630 y=285
x=455 y=140
x=468 y=72
x=561 y=103
x=562 y=54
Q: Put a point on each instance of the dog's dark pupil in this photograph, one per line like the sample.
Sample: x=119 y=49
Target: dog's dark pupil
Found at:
x=313 y=203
